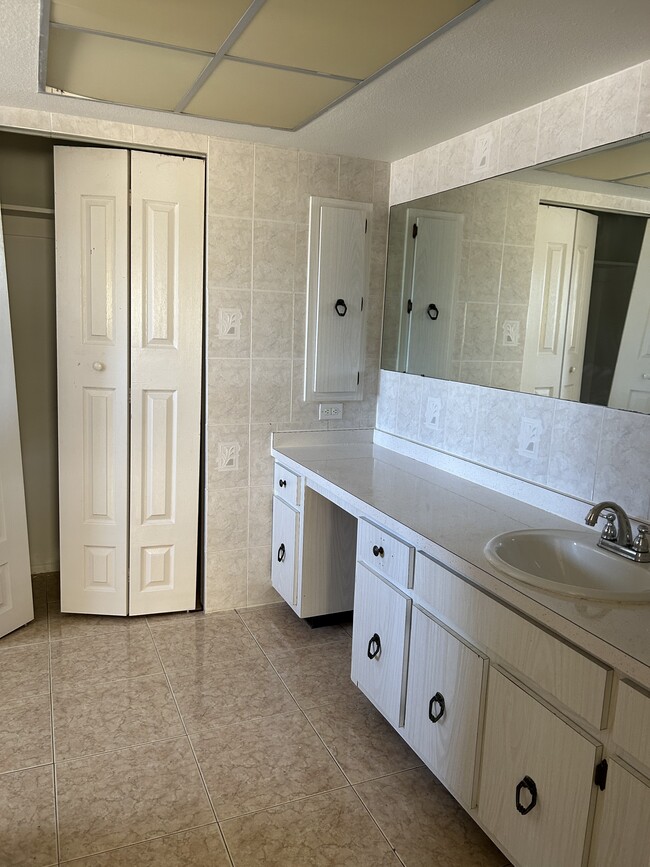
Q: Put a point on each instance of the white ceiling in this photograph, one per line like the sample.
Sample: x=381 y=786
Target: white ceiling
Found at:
x=507 y=55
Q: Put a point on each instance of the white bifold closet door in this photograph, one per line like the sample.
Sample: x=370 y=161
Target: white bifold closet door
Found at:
x=16 y=605
x=129 y=320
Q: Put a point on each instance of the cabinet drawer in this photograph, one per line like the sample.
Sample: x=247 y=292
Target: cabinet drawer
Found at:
x=385 y=553
x=284 y=551
x=622 y=825
x=287 y=485
x=526 y=748
x=444 y=697
x=576 y=680
x=632 y=721
x=380 y=643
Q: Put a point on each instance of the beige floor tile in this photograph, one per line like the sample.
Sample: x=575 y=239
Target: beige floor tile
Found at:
x=53 y=584
x=242 y=690
x=108 y=716
x=264 y=762
x=39 y=589
x=128 y=796
x=27 y=822
x=186 y=618
x=315 y=677
x=64 y=626
x=329 y=830
x=425 y=825
x=361 y=740
x=34 y=632
x=24 y=671
x=205 y=645
x=105 y=657
x=201 y=847
x=279 y=630
x=25 y=733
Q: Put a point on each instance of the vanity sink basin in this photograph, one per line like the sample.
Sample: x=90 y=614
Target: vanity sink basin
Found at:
x=568 y=562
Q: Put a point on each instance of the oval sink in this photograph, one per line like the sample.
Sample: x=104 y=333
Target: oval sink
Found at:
x=568 y=562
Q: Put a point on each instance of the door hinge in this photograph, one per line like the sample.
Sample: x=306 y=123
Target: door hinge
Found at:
x=600 y=775
x=415 y=230
x=409 y=306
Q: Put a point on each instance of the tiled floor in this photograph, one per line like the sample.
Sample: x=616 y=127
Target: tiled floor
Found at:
x=206 y=741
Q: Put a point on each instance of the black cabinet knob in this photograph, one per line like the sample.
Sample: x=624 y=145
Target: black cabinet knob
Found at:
x=529 y=785
x=377 y=550
x=282 y=552
x=438 y=699
x=374 y=646
x=283 y=483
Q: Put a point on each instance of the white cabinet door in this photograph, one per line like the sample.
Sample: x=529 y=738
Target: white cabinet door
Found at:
x=16 y=605
x=444 y=700
x=536 y=790
x=284 y=551
x=339 y=267
x=166 y=340
x=622 y=825
x=91 y=203
x=380 y=643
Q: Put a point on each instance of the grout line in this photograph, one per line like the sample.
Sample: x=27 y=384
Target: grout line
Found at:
x=379 y=828
x=53 y=741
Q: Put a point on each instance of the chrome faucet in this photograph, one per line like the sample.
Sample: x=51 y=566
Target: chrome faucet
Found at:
x=619 y=539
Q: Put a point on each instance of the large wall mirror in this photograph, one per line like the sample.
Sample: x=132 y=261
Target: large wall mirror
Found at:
x=537 y=281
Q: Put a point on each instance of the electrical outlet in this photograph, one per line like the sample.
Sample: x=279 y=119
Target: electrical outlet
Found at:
x=330 y=411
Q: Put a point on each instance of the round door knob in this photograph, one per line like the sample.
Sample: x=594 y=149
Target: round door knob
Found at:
x=98 y=365
x=572 y=370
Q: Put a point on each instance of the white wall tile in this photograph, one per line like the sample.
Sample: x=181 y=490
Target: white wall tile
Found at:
x=574 y=448
x=623 y=466
x=560 y=125
x=425 y=172
x=611 y=109
x=401 y=180
x=452 y=162
x=643 y=113
x=408 y=406
x=230 y=178
x=519 y=134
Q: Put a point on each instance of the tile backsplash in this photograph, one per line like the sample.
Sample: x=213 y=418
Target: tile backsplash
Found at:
x=591 y=453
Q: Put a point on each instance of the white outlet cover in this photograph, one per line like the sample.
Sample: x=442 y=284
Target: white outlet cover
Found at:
x=530 y=434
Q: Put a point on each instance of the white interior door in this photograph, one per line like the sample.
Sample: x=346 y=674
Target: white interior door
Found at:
x=436 y=267
x=582 y=272
x=631 y=384
x=166 y=344
x=91 y=207
x=16 y=604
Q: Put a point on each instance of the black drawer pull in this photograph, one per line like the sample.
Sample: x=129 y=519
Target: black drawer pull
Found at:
x=432 y=312
x=282 y=553
x=440 y=701
x=282 y=483
x=341 y=307
x=377 y=550
x=374 y=646
x=529 y=784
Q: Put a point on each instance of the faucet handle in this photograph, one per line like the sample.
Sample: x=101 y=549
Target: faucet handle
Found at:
x=609 y=530
x=640 y=544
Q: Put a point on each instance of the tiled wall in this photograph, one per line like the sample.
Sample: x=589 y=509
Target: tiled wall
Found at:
x=588 y=452
x=257 y=211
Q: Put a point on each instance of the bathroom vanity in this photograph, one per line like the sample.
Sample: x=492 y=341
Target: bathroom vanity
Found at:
x=532 y=708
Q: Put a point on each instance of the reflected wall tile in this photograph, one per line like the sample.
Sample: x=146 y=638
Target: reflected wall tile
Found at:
x=611 y=109
x=229 y=324
x=274 y=252
x=483 y=272
x=301 y=254
x=476 y=372
x=261 y=461
x=228 y=390
x=432 y=412
x=270 y=390
x=573 y=460
x=230 y=178
x=480 y=331
x=506 y=374
x=225 y=579
x=511 y=332
x=276 y=183
x=643 y=114
x=519 y=134
x=299 y=325
x=490 y=209
x=451 y=163
x=401 y=180
x=425 y=172
x=623 y=467
x=25 y=118
x=516 y=273
x=272 y=325
x=483 y=146
x=259 y=589
x=560 y=125
x=318 y=175
x=227 y=523
x=228 y=447
x=387 y=400
x=408 y=406
x=260 y=512
x=230 y=245
x=356 y=180
x=521 y=218
x=460 y=418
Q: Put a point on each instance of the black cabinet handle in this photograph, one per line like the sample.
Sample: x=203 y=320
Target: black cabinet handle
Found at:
x=282 y=552
x=529 y=784
x=341 y=307
x=440 y=701
x=433 y=311
x=374 y=646
x=377 y=550
x=282 y=483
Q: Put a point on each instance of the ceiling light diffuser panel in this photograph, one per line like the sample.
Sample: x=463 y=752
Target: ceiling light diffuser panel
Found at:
x=272 y=63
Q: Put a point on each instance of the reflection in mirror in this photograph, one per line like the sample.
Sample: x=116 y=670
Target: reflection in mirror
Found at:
x=538 y=281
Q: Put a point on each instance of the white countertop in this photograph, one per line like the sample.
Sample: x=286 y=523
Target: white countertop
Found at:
x=453 y=519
